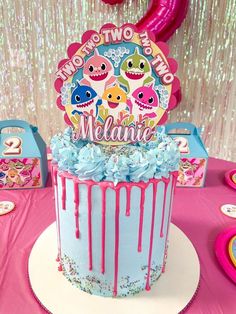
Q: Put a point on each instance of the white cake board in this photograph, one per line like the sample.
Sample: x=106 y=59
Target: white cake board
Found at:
x=170 y=294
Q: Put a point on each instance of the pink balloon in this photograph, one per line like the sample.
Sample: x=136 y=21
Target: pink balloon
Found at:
x=112 y=1
x=163 y=17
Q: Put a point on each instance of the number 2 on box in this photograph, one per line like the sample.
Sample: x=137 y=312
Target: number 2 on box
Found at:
x=13 y=145
x=182 y=143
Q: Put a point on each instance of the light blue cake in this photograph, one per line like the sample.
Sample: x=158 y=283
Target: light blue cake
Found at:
x=113 y=208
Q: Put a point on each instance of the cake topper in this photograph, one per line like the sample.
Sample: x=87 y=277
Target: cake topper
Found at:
x=117 y=85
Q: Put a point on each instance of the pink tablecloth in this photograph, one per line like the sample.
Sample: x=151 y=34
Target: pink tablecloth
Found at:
x=196 y=212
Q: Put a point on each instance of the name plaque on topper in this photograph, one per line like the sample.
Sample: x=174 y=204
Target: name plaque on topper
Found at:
x=117 y=85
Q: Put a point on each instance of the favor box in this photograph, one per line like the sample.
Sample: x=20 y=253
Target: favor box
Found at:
x=194 y=157
x=23 y=157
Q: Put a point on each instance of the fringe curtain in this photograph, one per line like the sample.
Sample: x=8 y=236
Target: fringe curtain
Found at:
x=34 y=36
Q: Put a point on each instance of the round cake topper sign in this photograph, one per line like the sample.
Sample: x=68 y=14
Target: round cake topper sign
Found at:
x=117 y=85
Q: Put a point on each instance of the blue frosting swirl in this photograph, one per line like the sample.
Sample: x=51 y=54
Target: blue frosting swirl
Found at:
x=142 y=166
x=117 y=168
x=90 y=163
x=126 y=163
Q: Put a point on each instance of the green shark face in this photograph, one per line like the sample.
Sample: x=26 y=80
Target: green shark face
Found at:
x=135 y=66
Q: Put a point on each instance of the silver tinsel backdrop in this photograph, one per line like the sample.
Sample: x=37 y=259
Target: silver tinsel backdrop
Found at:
x=34 y=36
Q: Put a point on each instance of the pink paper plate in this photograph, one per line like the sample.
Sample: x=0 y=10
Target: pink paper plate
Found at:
x=230 y=178
x=222 y=252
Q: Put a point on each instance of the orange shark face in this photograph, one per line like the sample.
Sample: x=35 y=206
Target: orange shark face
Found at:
x=12 y=173
x=114 y=96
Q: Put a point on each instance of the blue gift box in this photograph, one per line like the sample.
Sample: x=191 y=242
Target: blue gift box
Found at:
x=23 y=157
x=194 y=157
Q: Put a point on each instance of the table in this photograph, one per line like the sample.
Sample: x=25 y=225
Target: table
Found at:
x=196 y=211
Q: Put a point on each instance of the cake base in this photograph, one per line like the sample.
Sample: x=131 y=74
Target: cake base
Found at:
x=170 y=294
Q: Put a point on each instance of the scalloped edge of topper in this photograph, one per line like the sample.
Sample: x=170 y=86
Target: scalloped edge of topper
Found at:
x=175 y=96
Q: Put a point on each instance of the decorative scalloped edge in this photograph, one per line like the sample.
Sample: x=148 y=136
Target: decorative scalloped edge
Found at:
x=192 y=299
x=175 y=96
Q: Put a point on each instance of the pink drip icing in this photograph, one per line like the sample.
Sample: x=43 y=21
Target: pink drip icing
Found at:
x=174 y=179
x=103 y=229
x=140 y=232
x=60 y=267
x=117 y=235
x=128 y=190
x=109 y=184
x=76 y=213
x=54 y=176
x=151 y=236
x=90 y=249
x=166 y=182
x=63 y=198
x=105 y=185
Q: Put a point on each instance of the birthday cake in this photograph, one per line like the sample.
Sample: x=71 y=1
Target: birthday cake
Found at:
x=114 y=169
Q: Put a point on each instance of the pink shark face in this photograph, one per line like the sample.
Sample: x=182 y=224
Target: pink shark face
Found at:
x=4 y=167
x=97 y=67
x=146 y=98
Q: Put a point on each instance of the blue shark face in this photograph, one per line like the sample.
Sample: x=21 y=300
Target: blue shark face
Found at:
x=83 y=98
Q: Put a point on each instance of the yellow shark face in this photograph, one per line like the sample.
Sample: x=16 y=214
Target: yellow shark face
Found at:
x=114 y=95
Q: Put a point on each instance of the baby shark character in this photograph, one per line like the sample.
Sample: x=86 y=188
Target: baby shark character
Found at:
x=114 y=100
x=84 y=99
x=135 y=71
x=98 y=73
x=187 y=171
x=144 y=101
x=13 y=178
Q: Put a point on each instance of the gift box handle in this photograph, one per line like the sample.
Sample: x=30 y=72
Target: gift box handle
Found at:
x=17 y=124
x=182 y=126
